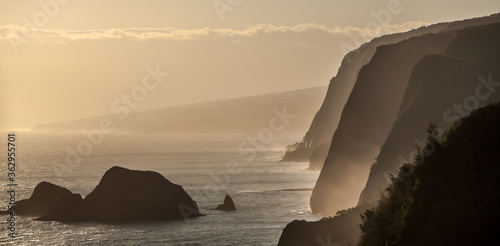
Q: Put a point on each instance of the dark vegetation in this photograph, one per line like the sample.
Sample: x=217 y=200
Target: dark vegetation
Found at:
x=449 y=195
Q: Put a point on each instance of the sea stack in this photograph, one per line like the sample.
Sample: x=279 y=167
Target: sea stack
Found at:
x=122 y=195
x=42 y=202
x=131 y=195
x=228 y=204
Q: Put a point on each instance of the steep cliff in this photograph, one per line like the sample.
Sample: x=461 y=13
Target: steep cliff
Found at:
x=442 y=88
x=316 y=142
x=368 y=115
x=367 y=118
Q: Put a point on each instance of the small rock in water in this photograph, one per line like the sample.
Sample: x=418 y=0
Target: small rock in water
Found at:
x=228 y=204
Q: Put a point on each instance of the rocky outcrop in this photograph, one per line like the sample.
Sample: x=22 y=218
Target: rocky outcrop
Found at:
x=122 y=195
x=368 y=116
x=42 y=201
x=342 y=230
x=129 y=195
x=442 y=89
x=70 y=208
x=228 y=204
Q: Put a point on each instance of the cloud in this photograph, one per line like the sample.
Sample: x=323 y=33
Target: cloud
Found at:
x=15 y=32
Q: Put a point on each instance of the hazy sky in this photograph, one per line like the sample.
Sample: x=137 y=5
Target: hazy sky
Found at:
x=84 y=55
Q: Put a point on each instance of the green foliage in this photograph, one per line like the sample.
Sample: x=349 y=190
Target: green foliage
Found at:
x=449 y=195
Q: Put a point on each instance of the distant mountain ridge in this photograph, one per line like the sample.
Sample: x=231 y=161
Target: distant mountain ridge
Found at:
x=239 y=115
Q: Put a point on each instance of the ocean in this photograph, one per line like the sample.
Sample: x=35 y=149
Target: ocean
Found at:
x=268 y=194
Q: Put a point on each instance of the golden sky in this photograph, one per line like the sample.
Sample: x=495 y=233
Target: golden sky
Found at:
x=69 y=59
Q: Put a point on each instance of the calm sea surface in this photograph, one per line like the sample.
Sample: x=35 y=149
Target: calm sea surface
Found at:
x=197 y=162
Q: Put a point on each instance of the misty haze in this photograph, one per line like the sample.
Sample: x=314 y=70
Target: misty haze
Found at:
x=249 y=122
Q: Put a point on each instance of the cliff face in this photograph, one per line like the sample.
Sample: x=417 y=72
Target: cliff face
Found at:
x=367 y=118
x=462 y=75
x=326 y=119
x=368 y=115
x=316 y=142
x=442 y=88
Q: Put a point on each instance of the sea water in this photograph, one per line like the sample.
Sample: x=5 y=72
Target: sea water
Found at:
x=207 y=166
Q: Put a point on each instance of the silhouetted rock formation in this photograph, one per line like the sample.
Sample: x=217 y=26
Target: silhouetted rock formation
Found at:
x=122 y=195
x=228 y=204
x=42 y=202
x=70 y=208
x=342 y=229
x=372 y=108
